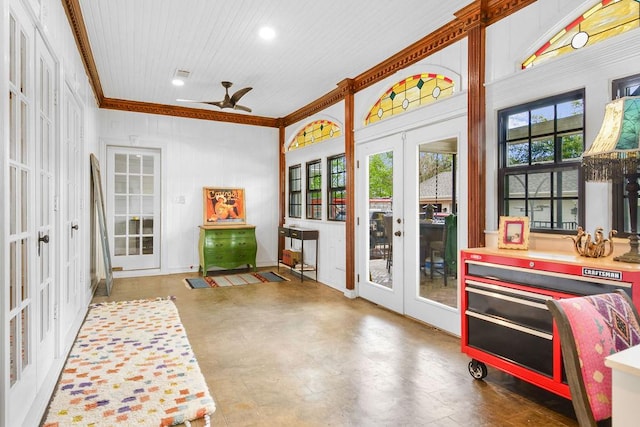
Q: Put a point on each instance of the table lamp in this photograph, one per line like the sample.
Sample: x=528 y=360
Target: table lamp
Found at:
x=615 y=156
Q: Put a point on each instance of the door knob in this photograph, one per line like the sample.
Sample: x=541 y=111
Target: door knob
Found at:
x=74 y=227
x=398 y=233
x=42 y=238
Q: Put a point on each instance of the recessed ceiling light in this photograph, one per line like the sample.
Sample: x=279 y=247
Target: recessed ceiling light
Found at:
x=267 y=33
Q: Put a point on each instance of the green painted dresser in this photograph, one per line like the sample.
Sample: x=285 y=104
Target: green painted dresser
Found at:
x=227 y=246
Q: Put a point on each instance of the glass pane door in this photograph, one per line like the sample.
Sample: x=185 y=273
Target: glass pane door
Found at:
x=72 y=233
x=432 y=291
x=381 y=230
x=47 y=240
x=133 y=207
x=21 y=240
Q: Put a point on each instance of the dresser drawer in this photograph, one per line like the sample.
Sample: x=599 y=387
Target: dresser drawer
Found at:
x=227 y=247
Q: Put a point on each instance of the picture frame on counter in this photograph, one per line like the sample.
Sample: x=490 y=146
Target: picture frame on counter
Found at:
x=513 y=232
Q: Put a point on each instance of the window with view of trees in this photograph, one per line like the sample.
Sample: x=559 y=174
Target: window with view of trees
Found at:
x=540 y=148
x=627 y=86
x=337 y=188
x=314 y=190
x=295 y=191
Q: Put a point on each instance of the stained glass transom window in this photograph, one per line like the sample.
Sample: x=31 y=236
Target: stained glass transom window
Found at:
x=607 y=18
x=412 y=92
x=314 y=132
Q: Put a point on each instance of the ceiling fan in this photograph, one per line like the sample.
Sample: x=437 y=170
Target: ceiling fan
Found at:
x=228 y=101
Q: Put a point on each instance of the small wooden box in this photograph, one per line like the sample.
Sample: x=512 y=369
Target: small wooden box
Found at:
x=290 y=258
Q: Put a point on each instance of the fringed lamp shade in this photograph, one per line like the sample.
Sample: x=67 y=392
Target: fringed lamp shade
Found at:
x=615 y=153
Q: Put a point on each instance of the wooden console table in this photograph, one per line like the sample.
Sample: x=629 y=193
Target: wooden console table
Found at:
x=301 y=234
x=227 y=246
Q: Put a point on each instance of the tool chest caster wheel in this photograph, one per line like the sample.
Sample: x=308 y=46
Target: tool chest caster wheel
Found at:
x=478 y=370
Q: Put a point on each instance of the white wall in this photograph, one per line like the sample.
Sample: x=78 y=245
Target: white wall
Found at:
x=331 y=241
x=197 y=154
x=592 y=68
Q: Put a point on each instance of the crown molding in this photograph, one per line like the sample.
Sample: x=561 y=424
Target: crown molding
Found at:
x=333 y=97
x=499 y=9
x=189 y=113
x=79 y=30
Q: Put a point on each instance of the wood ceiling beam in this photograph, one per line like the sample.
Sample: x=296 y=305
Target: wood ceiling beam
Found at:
x=190 y=113
x=318 y=105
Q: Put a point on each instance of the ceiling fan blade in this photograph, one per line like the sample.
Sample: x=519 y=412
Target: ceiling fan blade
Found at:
x=218 y=104
x=242 y=107
x=187 y=100
x=239 y=94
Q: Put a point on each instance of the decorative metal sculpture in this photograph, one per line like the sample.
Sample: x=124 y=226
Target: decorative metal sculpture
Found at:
x=593 y=247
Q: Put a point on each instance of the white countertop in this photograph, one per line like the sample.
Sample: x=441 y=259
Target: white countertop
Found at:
x=627 y=361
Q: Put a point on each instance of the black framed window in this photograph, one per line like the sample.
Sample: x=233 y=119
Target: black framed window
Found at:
x=337 y=188
x=540 y=148
x=295 y=191
x=314 y=190
x=626 y=86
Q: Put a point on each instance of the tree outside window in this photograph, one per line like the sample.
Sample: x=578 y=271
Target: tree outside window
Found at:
x=337 y=191
x=295 y=191
x=314 y=190
x=540 y=148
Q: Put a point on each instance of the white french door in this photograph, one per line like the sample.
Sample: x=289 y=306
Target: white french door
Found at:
x=394 y=241
x=21 y=309
x=133 y=207
x=381 y=222
x=47 y=239
x=428 y=296
x=71 y=157
x=31 y=160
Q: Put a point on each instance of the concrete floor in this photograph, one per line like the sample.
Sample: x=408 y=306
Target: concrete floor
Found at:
x=302 y=354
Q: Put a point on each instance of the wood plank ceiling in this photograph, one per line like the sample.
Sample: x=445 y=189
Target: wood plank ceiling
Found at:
x=132 y=49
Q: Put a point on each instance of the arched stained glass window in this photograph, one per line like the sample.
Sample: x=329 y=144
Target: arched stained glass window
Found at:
x=412 y=92
x=607 y=18
x=316 y=131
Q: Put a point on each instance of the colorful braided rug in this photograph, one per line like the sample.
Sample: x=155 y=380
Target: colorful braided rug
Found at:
x=132 y=365
x=233 y=280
